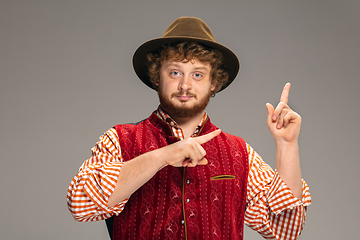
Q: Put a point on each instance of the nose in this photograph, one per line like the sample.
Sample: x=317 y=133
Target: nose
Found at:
x=185 y=83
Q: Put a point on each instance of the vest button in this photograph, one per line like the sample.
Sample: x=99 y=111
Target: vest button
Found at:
x=182 y=222
x=188 y=181
x=187 y=200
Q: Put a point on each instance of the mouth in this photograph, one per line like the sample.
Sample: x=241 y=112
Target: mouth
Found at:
x=184 y=98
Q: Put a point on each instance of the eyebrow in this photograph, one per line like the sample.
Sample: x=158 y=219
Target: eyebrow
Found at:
x=197 y=67
x=202 y=67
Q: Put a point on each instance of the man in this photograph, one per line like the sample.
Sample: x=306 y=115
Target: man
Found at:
x=175 y=175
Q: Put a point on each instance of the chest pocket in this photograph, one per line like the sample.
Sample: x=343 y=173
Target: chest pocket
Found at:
x=222 y=177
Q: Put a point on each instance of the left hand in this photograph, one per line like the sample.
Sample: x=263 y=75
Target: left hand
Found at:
x=284 y=124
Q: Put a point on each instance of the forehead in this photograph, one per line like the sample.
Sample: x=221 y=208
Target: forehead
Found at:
x=193 y=64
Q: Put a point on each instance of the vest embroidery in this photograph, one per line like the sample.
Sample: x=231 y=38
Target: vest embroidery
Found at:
x=204 y=202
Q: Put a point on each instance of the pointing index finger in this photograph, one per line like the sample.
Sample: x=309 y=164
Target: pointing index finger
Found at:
x=285 y=93
x=207 y=137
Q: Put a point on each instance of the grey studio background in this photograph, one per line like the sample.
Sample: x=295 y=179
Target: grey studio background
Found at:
x=66 y=77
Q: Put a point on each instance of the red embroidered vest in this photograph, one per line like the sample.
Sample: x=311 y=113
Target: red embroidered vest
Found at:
x=204 y=202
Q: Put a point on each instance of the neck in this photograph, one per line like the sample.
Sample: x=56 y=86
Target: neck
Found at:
x=189 y=124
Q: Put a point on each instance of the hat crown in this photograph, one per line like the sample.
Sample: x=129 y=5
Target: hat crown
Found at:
x=189 y=27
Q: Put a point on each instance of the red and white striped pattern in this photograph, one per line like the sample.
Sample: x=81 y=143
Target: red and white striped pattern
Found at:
x=91 y=188
x=272 y=209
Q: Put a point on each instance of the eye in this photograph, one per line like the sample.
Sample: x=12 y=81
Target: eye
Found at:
x=198 y=75
x=175 y=73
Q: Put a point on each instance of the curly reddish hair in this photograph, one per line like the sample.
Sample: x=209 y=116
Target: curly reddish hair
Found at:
x=188 y=51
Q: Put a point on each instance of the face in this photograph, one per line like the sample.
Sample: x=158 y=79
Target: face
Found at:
x=185 y=87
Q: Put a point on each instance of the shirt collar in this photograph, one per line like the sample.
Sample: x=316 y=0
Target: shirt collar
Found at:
x=177 y=131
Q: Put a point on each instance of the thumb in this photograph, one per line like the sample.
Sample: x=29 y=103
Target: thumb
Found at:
x=270 y=111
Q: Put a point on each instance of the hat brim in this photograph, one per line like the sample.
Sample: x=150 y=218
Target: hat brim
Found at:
x=140 y=62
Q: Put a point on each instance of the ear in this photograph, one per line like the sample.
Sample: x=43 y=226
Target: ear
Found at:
x=157 y=82
x=213 y=86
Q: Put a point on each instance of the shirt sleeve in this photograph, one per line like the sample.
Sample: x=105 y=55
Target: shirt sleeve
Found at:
x=271 y=208
x=91 y=188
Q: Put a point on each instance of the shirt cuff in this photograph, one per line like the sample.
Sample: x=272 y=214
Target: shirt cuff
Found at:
x=100 y=184
x=280 y=197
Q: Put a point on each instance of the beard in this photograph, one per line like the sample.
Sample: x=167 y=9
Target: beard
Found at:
x=182 y=111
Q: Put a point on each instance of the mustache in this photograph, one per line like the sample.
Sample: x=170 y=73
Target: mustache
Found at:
x=183 y=93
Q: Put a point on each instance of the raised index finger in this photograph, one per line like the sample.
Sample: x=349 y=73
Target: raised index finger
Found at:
x=285 y=93
x=207 y=137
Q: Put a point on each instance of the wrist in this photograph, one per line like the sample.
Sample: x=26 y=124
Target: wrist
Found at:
x=159 y=158
x=287 y=144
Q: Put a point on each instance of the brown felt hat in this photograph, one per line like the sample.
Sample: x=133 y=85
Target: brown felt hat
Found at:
x=184 y=29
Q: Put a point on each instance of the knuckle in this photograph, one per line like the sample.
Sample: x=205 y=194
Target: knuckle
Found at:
x=189 y=143
x=300 y=118
x=281 y=104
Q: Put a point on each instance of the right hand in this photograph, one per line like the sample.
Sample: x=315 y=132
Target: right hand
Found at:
x=188 y=152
